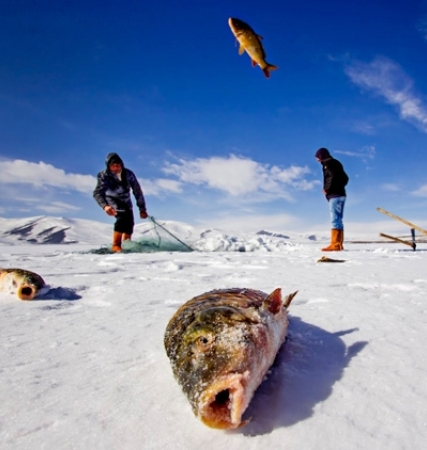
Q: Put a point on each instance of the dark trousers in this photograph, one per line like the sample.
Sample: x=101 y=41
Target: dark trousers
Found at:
x=124 y=222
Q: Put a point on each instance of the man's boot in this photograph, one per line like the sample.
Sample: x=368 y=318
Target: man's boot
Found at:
x=341 y=239
x=117 y=242
x=127 y=237
x=335 y=245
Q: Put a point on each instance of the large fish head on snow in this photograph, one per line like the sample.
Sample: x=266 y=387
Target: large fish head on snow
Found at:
x=24 y=283
x=215 y=355
x=220 y=345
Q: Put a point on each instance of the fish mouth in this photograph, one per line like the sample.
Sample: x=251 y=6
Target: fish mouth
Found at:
x=236 y=25
x=223 y=403
x=26 y=292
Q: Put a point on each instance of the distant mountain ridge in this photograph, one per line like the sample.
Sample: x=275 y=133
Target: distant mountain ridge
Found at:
x=59 y=230
x=52 y=230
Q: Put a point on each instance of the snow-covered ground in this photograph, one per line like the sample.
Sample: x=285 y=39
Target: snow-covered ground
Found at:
x=84 y=367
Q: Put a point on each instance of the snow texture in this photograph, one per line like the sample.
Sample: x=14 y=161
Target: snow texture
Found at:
x=83 y=366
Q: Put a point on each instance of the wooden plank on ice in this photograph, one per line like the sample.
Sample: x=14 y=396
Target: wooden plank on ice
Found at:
x=393 y=238
x=410 y=224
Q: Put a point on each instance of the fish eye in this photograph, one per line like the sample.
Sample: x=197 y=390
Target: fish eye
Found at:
x=203 y=342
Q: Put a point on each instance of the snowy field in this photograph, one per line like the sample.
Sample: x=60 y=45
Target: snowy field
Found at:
x=84 y=367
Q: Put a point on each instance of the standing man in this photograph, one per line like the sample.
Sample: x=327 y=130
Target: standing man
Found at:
x=334 y=181
x=112 y=193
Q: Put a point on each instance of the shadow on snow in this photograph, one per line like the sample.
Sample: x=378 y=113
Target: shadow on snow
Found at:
x=60 y=293
x=307 y=366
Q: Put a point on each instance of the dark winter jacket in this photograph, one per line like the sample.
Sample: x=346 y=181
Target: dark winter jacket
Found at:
x=334 y=178
x=111 y=191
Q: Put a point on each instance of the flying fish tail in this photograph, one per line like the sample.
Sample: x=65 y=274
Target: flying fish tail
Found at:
x=267 y=69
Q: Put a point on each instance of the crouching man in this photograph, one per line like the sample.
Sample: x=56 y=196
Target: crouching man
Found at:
x=112 y=193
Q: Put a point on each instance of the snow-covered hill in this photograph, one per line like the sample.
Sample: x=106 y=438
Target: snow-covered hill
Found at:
x=58 y=230
x=52 y=230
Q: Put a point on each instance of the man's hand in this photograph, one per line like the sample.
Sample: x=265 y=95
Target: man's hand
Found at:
x=110 y=210
x=143 y=214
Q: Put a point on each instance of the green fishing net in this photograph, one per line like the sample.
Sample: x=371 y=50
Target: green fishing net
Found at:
x=154 y=239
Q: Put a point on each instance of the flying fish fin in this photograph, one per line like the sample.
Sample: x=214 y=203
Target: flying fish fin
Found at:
x=254 y=63
x=241 y=49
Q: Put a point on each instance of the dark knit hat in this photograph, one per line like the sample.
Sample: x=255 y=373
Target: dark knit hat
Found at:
x=322 y=154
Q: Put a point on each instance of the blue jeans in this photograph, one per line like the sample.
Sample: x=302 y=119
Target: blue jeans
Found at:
x=336 y=208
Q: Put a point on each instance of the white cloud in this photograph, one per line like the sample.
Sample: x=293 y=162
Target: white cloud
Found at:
x=366 y=152
x=420 y=192
x=291 y=174
x=390 y=187
x=42 y=175
x=43 y=187
x=169 y=185
x=57 y=207
x=161 y=186
x=387 y=79
x=25 y=200
x=238 y=176
x=363 y=128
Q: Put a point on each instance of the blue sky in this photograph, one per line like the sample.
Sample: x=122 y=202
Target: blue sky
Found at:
x=211 y=140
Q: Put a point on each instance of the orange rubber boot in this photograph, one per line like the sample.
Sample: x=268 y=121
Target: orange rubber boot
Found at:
x=117 y=242
x=335 y=245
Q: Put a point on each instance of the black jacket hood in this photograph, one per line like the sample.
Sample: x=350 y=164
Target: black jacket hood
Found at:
x=113 y=158
x=323 y=154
